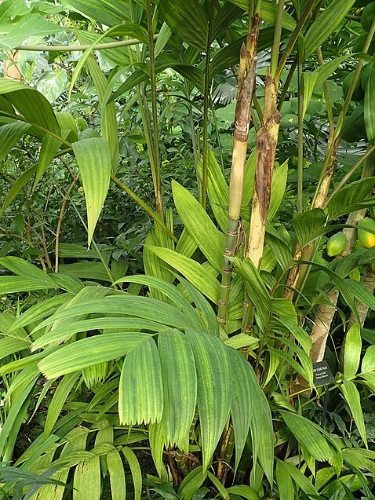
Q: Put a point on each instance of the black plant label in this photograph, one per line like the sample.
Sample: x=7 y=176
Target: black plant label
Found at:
x=322 y=373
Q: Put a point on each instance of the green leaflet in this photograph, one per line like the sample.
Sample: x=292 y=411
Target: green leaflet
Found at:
x=108 y=12
x=17 y=186
x=286 y=473
x=87 y=479
x=201 y=228
x=214 y=389
x=325 y=24
x=141 y=386
x=10 y=134
x=352 y=397
x=88 y=352
x=32 y=105
x=352 y=351
x=192 y=270
x=176 y=357
x=278 y=187
x=94 y=162
x=308 y=435
x=135 y=470
x=368 y=361
x=188 y=20
x=352 y=197
x=116 y=475
x=369 y=109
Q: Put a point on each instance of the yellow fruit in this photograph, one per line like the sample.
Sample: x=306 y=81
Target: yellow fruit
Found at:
x=336 y=244
x=366 y=232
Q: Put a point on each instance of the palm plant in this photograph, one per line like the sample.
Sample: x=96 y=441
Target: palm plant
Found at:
x=206 y=360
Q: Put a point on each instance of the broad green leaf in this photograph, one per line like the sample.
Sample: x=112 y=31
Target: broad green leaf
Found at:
x=16 y=284
x=108 y=120
x=369 y=110
x=187 y=20
x=88 y=352
x=31 y=104
x=120 y=305
x=116 y=475
x=350 y=198
x=10 y=134
x=219 y=486
x=325 y=24
x=256 y=289
x=244 y=491
x=17 y=186
x=250 y=410
x=268 y=12
x=86 y=270
x=191 y=483
x=17 y=30
x=352 y=351
x=12 y=422
x=214 y=390
x=352 y=397
x=313 y=79
x=53 y=84
x=308 y=225
x=141 y=385
x=87 y=479
x=201 y=228
x=192 y=270
x=176 y=357
x=108 y=12
x=217 y=190
x=278 y=187
x=58 y=400
x=368 y=361
x=135 y=470
x=288 y=470
x=94 y=163
x=308 y=435
x=63 y=332
x=284 y=482
x=24 y=268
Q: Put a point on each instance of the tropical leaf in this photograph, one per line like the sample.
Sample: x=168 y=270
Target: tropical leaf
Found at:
x=214 y=391
x=352 y=397
x=141 y=386
x=201 y=228
x=89 y=352
x=369 y=105
x=94 y=163
x=176 y=356
x=308 y=435
x=10 y=134
x=352 y=351
x=325 y=24
x=32 y=105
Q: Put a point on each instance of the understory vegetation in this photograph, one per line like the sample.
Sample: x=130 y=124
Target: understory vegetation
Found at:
x=187 y=249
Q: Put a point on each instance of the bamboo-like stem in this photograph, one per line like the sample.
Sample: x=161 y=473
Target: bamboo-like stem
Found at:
x=296 y=277
x=326 y=312
x=266 y=151
x=246 y=82
x=155 y=125
x=79 y=47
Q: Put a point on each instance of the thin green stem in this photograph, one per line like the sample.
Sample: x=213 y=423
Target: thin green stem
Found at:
x=206 y=104
x=300 y=142
x=276 y=39
x=349 y=174
x=78 y=47
x=154 y=215
x=297 y=31
x=155 y=125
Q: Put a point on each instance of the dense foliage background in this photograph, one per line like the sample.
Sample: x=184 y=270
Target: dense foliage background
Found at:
x=186 y=233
